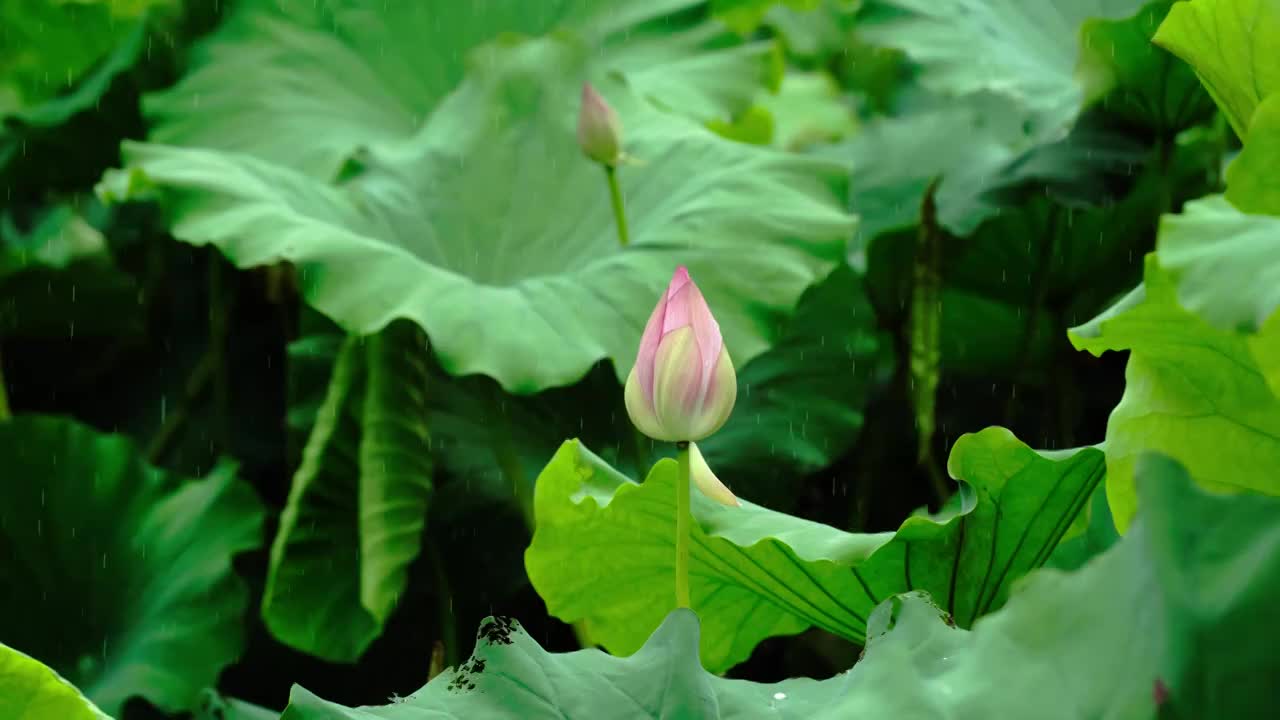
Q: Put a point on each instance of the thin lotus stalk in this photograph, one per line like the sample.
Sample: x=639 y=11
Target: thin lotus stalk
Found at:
x=619 y=210
x=683 y=516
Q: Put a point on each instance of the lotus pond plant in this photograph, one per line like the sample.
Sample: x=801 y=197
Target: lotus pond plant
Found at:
x=682 y=389
x=323 y=347
x=600 y=137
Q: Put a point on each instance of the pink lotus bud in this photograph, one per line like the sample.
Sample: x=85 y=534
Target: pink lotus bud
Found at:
x=682 y=387
x=706 y=481
x=599 y=130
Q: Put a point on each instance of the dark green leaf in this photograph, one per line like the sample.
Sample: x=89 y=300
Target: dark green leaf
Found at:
x=134 y=564
x=1137 y=80
x=59 y=280
x=358 y=504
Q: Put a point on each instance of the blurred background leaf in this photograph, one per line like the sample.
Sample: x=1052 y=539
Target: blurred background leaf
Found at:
x=135 y=563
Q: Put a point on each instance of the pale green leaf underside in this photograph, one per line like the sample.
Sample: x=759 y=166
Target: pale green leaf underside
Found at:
x=999 y=167
x=809 y=108
x=1226 y=263
x=1001 y=73
x=1253 y=183
x=894 y=160
x=304 y=84
x=1232 y=46
x=358 y=503
x=135 y=563
x=1086 y=644
x=497 y=237
x=30 y=690
x=1195 y=392
x=603 y=549
x=1025 y=51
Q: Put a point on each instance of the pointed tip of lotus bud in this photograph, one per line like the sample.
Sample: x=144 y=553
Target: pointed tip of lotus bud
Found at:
x=599 y=129
x=707 y=482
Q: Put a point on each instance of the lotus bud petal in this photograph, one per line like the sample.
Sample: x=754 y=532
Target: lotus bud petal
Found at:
x=599 y=130
x=706 y=481
x=682 y=387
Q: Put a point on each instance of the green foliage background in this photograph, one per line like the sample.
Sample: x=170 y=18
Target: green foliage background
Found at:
x=313 y=322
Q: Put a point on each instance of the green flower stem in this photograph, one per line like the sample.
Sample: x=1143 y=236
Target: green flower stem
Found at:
x=619 y=212
x=4 y=394
x=683 y=515
x=925 y=333
x=448 y=626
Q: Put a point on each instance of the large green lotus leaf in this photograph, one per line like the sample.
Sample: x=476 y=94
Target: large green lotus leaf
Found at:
x=30 y=690
x=510 y=675
x=603 y=549
x=1162 y=605
x=1226 y=263
x=1138 y=80
x=1252 y=183
x=1195 y=392
x=1025 y=51
x=58 y=279
x=131 y=567
x=358 y=504
x=497 y=237
x=304 y=84
x=1231 y=45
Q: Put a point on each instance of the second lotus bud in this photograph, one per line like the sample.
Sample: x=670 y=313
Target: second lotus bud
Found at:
x=599 y=129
